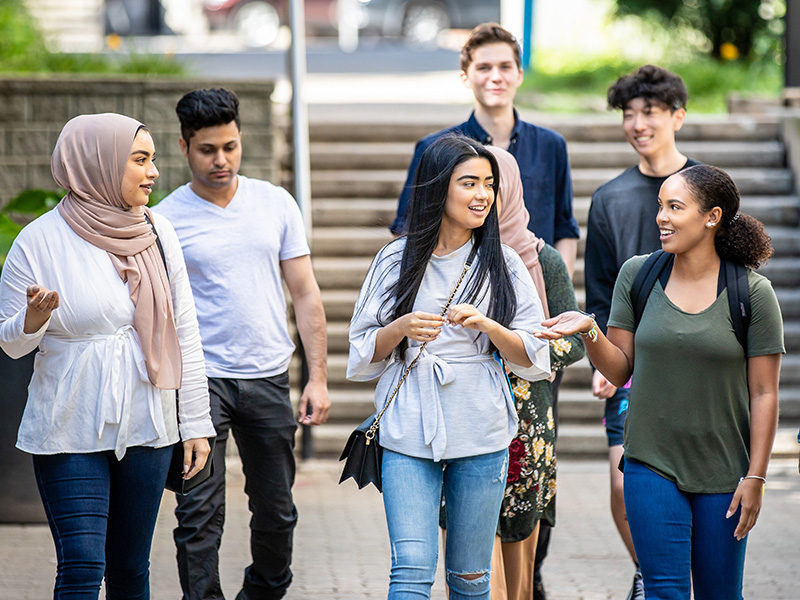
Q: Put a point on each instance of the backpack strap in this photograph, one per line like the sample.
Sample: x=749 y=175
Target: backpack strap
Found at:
x=657 y=266
x=738 y=299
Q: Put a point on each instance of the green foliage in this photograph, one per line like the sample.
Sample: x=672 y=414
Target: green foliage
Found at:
x=22 y=209
x=571 y=84
x=23 y=50
x=731 y=27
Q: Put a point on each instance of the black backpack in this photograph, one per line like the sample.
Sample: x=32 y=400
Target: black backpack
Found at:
x=733 y=276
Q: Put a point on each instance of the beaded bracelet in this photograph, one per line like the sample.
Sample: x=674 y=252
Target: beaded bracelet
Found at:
x=592 y=333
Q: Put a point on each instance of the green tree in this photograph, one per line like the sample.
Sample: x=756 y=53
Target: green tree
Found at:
x=732 y=27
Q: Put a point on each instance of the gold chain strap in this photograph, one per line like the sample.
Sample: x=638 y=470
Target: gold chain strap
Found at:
x=370 y=435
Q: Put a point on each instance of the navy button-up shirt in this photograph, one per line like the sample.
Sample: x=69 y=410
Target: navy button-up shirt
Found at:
x=546 y=181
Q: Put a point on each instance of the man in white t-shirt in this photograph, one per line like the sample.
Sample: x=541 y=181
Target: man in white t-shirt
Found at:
x=240 y=238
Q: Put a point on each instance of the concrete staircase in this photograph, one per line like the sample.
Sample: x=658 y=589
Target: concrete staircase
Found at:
x=358 y=166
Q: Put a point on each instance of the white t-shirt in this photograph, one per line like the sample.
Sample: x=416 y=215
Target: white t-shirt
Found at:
x=233 y=257
x=90 y=389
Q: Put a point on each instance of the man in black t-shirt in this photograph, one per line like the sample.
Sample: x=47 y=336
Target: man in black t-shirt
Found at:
x=622 y=224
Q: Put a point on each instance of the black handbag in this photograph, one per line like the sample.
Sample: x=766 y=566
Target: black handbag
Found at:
x=363 y=453
x=175 y=481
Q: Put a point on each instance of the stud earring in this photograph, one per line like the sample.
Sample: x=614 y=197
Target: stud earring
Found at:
x=709 y=224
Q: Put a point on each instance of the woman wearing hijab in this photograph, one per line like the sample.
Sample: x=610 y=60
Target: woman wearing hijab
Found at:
x=531 y=484
x=117 y=335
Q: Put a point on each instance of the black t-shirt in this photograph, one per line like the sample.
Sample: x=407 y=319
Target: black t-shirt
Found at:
x=622 y=224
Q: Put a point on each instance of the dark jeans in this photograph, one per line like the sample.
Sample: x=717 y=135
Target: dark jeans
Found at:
x=102 y=512
x=682 y=540
x=260 y=414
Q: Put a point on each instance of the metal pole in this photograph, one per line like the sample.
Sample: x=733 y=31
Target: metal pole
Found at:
x=348 y=25
x=792 y=67
x=302 y=162
x=527 y=35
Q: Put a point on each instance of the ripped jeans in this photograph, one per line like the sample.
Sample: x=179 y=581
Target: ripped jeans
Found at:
x=412 y=492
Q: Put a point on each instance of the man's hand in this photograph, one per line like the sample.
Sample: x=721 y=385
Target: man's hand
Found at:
x=601 y=387
x=315 y=404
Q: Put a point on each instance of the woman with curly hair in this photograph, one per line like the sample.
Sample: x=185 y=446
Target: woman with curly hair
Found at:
x=703 y=410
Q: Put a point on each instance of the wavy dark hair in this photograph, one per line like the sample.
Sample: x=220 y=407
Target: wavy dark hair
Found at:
x=429 y=196
x=740 y=238
x=651 y=83
x=207 y=108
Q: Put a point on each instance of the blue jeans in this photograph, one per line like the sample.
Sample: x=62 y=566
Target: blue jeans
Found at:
x=412 y=492
x=260 y=415
x=682 y=539
x=102 y=513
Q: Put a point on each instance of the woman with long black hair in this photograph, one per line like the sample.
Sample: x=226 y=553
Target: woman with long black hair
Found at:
x=703 y=407
x=450 y=424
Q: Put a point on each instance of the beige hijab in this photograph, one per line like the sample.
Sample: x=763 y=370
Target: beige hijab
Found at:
x=89 y=161
x=514 y=219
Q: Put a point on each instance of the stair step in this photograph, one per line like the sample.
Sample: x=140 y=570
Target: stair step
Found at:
x=355 y=212
x=361 y=127
x=783 y=272
x=397 y=155
x=341 y=272
x=724 y=154
x=791 y=335
x=349 y=271
x=789 y=299
x=785 y=240
x=790 y=370
x=349 y=241
x=389 y=183
x=339 y=303
x=770 y=210
x=749 y=181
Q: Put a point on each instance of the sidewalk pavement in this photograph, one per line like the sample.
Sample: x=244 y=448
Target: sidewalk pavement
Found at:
x=342 y=549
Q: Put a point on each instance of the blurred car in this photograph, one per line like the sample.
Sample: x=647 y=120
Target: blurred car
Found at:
x=258 y=22
x=420 y=21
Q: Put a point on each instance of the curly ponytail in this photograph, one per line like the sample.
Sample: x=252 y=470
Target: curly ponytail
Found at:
x=740 y=238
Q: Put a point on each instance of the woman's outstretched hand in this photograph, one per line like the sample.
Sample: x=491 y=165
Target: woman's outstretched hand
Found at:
x=567 y=323
x=41 y=303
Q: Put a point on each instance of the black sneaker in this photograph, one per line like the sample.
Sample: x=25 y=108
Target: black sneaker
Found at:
x=538 y=590
x=637 y=589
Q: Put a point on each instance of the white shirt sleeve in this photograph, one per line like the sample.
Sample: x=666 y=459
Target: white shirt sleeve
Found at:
x=365 y=324
x=528 y=319
x=16 y=277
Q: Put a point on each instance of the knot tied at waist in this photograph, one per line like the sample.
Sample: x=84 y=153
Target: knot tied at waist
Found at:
x=430 y=372
x=122 y=363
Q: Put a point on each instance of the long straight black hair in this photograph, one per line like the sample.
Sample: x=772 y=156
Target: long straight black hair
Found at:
x=426 y=210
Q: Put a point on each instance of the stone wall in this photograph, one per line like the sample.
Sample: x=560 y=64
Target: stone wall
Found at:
x=34 y=110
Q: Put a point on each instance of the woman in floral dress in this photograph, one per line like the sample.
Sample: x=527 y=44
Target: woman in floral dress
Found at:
x=531 y=484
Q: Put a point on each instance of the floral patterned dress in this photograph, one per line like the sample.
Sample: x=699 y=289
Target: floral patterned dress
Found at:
x=531 y=485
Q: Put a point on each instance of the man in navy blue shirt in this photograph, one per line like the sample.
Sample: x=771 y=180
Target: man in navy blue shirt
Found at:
x=491 y=68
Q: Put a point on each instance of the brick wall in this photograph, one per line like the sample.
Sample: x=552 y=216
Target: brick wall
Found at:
x=33 y=112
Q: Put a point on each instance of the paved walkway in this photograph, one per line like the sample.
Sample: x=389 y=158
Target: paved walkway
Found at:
x=342 y=551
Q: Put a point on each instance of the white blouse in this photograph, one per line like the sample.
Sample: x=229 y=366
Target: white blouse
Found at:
x=90 y=390
x=456 y=400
